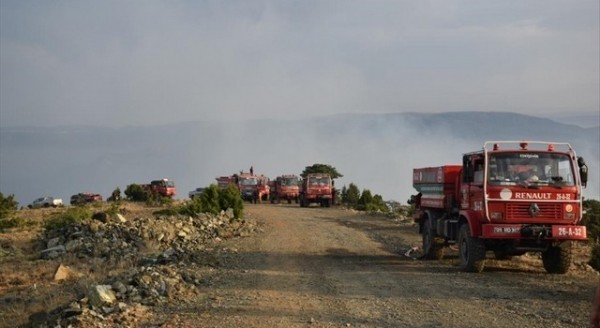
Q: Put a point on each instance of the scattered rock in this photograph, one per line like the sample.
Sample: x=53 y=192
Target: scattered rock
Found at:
x=53 y=252
x=100 y=216
x=172 y=245
x=53 y=242
x=100 y=295
x=121 y=218
x=63 y=272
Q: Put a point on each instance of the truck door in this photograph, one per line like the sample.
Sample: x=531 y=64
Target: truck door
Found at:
x=471 y=192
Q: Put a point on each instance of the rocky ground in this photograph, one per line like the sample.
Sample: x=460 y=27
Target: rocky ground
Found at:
x=282 y=266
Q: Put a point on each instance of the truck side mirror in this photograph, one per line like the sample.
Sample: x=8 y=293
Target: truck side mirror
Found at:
x=583 y=171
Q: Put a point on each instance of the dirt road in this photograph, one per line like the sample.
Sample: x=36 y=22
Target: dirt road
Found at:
x=314 y=267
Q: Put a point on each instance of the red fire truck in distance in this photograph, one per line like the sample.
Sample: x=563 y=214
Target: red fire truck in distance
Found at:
x=163 y=187
x=511 y=197
x=317 y=188
x=285 y=187
x=253 y=188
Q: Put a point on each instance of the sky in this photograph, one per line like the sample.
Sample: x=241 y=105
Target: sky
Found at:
x=143 y=63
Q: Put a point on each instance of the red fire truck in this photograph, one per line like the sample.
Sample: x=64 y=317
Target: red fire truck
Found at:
x=285 y=187
x=163 y=187
x=317 y=188
x=253 y=188
x=511 y=197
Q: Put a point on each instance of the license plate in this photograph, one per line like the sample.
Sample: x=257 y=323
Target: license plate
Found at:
x=569 y=232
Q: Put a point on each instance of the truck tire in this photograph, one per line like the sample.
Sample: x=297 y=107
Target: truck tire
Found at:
x=557 y=259
x=471 y=251
x=432 y=248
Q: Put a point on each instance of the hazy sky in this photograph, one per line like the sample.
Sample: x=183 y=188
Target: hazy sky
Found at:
x=122 y=63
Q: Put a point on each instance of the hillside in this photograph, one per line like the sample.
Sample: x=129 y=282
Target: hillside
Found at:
x=376 y=151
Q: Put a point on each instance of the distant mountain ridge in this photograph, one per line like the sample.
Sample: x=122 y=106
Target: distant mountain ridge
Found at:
x=375 y=151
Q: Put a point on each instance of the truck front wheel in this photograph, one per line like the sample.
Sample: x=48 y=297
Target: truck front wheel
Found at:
x=432 y=247
x=471 y=251
x=557 y=259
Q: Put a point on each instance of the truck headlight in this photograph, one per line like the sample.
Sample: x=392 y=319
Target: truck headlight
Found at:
x=496 y=215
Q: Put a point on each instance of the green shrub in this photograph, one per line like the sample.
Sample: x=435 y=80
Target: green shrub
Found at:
x=213 y=200
x=352 y=195
x=365 y=199
x=136 y=193
x=353 y=198
x=591 y=220
x=70 y=216
x=14 y=222
x=115 y=196
x=162 y=200
x=192 y=207
x=230 y=198
x=7 y=205
x=114 y=208
x=379 y=204
x=209 y=200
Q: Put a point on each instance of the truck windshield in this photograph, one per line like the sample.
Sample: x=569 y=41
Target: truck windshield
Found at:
x=318 y=181
x=289 y=182
x=530 y=168
x=248 y=181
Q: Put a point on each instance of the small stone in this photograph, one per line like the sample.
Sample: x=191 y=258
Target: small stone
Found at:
x=54 y=252
x=100 y=295
x=53 y=242
x=119 y=287
x=63 y=272
x=121 y=218
x=100 y=216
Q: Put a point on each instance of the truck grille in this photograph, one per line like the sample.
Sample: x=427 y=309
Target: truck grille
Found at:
x=547 y=211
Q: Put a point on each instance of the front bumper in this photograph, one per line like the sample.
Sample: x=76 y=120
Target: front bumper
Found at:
x=533 y=231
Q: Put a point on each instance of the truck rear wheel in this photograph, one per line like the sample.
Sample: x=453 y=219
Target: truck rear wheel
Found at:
x=471 y=251
x=432 y=247
x=557 y=259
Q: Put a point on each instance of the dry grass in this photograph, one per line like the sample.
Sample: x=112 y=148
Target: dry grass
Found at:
x=27 y=284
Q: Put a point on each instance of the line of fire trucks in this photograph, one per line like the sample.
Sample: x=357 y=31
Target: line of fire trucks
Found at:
x=314 y=188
